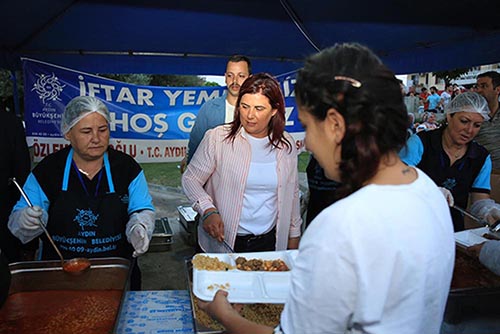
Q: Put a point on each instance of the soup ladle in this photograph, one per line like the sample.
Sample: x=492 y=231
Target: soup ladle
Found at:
x=74 y=266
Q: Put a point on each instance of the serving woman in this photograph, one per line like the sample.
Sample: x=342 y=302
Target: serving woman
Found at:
x=456 y=163
x=364 y=264
x=93 y=200
x=243 y=178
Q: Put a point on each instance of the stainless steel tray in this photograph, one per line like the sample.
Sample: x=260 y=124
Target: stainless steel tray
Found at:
x=104 y=274
x=480 y=300
x=162 y=236
x=198 y=327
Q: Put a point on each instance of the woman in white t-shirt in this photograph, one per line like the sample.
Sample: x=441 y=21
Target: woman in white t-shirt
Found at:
x=243 y=178
x=366 y=264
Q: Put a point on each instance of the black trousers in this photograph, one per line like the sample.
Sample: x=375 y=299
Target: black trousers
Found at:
x=256 y=243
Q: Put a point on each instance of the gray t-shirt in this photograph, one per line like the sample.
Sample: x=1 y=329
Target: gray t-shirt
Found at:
x=489 y=137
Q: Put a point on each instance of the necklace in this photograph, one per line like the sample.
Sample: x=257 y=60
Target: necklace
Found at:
x=459 y=153
x=447 y=144
x=83 y=172
x=89 y=173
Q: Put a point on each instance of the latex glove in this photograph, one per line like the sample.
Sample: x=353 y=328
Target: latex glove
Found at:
x=492 y=215
x=139 y=240
x=30 y=218
x=447 y=194
x=486 y=208
x=25 y=223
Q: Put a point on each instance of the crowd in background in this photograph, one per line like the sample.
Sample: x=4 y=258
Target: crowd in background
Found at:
x=425 y=105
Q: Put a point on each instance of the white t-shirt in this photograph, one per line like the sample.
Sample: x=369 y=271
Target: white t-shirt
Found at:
x=258 y=215
x=446 y=98
x=379 y=261
x=229 y=113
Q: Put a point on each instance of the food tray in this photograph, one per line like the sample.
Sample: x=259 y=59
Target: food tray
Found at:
x=245 y=286
x=161 y=240
x=471 y=237
x=264 y=314
x=109 y=275
x=474 y=289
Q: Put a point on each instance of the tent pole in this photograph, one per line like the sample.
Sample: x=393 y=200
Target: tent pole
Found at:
x=298 y=23
x=14 y=92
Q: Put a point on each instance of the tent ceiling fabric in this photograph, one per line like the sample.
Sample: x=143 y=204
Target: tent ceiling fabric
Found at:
x=197 y=37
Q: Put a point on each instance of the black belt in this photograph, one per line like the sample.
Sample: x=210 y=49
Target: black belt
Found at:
x=253 y=237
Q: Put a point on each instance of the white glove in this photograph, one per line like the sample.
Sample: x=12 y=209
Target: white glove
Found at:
x=25 y=223
x=492 y=215
x=139 y=239
x=139 y=230
x=486 y=208
x=30 y=218
x=447 y=194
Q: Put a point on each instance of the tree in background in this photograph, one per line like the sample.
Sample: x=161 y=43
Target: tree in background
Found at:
x=166 y=80
x=6 y=90
x=7 y=96
x=450 y=75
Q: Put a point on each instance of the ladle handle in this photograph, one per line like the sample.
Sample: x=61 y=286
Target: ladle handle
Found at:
x=39 y=220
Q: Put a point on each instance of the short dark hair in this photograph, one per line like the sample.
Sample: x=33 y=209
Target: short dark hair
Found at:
x=493 y=75
x=238 y=58
x=353 y=80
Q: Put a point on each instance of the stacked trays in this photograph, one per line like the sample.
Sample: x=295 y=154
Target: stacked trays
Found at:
x=471 y=237
x=245 y=286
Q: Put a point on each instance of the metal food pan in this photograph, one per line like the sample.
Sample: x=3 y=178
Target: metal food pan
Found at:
x=111 y=273
x=481 y=298
x=162 y=236
x=104 y=274
x=199 y=328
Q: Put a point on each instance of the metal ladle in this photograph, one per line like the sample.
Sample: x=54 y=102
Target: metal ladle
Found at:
x=495 y=227
x=74 y=266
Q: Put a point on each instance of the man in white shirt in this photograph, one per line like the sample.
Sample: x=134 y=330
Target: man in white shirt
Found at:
x=220 y=110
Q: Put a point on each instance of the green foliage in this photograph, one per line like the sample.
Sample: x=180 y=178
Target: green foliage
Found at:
x=211 y=84
x=177 y=81
x=165 y=173
x=166 y=80
x=303 y=161
x=169 y=174
x=6 y=83
x=136 y=79
x=449 y=75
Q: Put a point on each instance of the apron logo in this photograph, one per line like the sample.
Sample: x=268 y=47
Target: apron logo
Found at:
x=86 y=218
x=124 y=199
x=449 y=184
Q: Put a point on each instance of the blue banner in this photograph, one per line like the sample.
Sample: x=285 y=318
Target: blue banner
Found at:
x=151 y=123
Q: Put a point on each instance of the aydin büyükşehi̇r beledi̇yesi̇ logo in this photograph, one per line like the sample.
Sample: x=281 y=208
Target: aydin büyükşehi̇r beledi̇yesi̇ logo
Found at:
x=48 y=87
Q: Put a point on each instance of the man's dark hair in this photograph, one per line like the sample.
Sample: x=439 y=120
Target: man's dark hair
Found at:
x=493 y=75
x=238 y=58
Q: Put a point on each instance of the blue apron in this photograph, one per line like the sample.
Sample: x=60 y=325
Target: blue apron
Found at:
x=88 y=225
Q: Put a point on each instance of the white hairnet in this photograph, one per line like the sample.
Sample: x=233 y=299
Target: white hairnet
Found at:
x=469 y=102
x=78 y=108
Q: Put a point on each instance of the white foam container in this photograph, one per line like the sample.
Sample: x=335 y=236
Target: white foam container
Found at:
x=471 y=237
x=246 y=286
